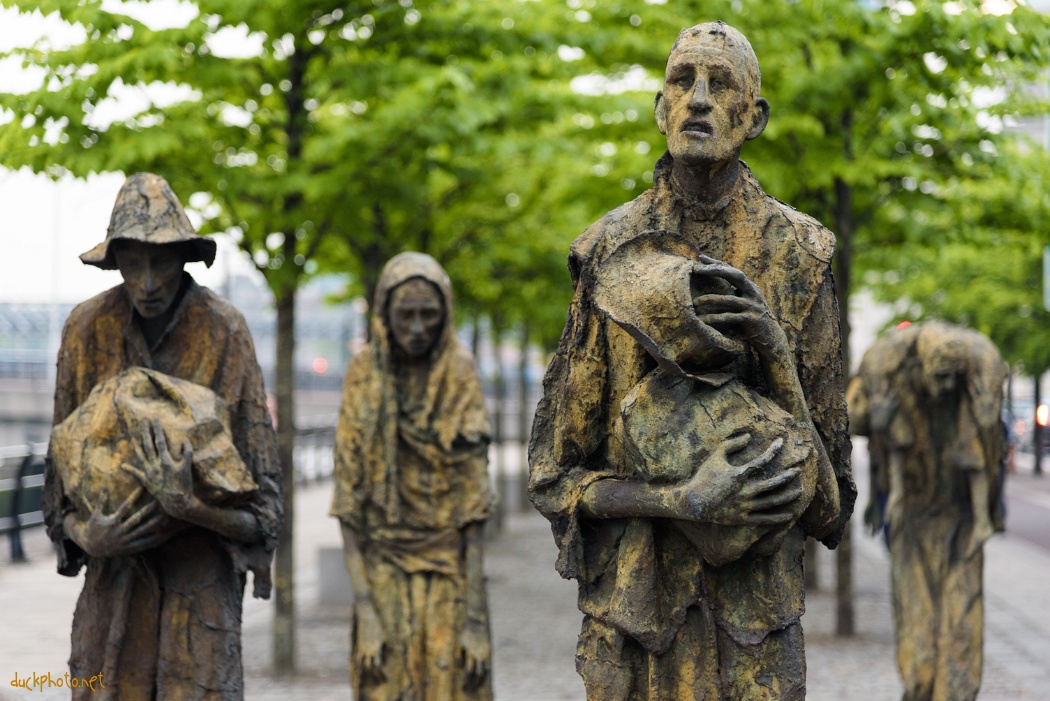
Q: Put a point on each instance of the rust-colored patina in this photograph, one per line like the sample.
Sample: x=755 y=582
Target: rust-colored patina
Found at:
x=929 y=398
x=412 y=493
x=160 y=611
x=693 y=426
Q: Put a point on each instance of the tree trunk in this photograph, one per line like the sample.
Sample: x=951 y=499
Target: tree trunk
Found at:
x=844 y=619
x=1037 y=432
x=497 y=432
x=284 y=662
x=475 y=336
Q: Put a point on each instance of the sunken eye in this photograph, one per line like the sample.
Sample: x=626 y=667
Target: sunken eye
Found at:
x=683 y=80
x=720 y=82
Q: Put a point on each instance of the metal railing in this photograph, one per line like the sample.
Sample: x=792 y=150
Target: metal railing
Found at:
x=20 y=495
x=314 y=443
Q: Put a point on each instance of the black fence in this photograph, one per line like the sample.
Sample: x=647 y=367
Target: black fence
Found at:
x=21 y=488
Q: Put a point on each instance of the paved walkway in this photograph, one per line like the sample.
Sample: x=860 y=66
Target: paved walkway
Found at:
x=535 y=620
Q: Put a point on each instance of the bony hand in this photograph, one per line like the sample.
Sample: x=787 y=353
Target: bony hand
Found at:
x=126 y=531
x=745 y=315
x=168 y=478
x=739 y=495
x=477 y=652
x=369 y=641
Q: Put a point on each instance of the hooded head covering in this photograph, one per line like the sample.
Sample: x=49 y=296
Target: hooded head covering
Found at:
x=147 y=210
x=452 y=406
x=943 y=347
x=398 y=270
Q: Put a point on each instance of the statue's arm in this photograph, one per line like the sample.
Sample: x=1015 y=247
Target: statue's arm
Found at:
x=719 y=492
x=170 y=481
x=474 y=640
x=822 y=381
x=746 y=316
x=256 y=441
x=368 y=629
x=56 y=504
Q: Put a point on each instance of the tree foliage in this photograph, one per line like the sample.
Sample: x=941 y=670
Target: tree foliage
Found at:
x=887 y=126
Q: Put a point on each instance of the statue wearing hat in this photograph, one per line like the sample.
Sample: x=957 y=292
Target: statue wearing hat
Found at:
x=928 y=397
x=163 y=481
x=693 y=431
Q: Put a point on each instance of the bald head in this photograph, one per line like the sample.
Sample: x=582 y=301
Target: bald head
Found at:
x=720 y=36
x=710 y=103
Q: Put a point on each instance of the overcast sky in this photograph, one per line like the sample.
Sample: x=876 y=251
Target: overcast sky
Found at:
x=45 y=226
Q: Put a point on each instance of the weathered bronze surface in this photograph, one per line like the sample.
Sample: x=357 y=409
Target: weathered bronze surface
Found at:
x=929 y=397
x=693 y=428
x=412 y=493
x=163 y=477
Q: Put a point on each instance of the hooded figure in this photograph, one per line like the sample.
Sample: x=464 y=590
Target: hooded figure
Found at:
x=928 y=397
x=160 y=612
x=411 y=493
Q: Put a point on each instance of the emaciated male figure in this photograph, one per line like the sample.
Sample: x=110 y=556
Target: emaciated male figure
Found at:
x=412 y=494
x=661 y=621
x=160 y=612
x=929 y=397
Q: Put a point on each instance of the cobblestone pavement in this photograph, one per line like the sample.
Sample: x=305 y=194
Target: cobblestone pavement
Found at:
x=535 y=620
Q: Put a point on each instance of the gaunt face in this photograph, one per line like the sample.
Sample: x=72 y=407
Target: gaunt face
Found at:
x=708 y=107
x=152 y=275
x=415 y=315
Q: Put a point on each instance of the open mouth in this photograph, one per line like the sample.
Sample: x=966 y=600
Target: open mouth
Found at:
x=698 y=127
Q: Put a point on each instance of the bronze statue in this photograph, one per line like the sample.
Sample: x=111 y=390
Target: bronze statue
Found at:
x=163 y=478
x=693 y=427
x=412 y=494
x=929 y=398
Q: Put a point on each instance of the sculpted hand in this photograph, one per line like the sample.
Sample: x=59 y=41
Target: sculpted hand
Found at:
x=477 y=653
x=745 y=315
x=738 y=495
x=169 y=479
x=368 y=653
x=124 y=532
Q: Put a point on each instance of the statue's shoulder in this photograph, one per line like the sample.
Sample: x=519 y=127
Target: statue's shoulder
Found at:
x=84 y=317
x=592 y=246
x=462 y=359
x=361 y=366
x=221 y=309
x=811 y=235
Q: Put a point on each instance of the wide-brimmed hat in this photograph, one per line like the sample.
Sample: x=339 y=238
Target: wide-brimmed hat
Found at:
x=147 y=210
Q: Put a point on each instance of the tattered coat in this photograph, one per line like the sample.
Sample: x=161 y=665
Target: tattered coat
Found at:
x=646 y=592
x=167 y=623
